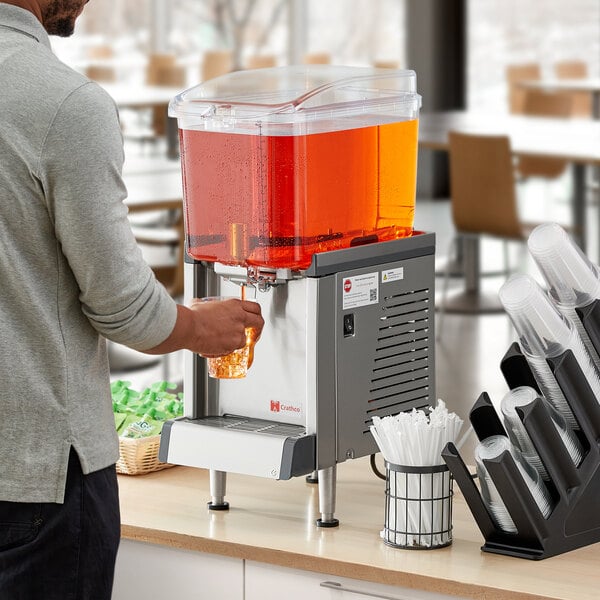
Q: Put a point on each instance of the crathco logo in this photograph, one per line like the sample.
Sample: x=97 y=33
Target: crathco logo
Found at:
x=347 y=285
x=276 y=406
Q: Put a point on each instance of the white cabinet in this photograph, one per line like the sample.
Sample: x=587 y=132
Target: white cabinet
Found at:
x=266 y=582
x=155 y=572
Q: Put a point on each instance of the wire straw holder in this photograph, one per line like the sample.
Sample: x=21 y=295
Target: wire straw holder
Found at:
x=574 y=520
x=418 y=507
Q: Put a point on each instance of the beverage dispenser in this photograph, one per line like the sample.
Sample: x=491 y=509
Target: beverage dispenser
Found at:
x=299 y=191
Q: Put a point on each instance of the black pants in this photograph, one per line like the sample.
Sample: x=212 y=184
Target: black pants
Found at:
x=62 y=551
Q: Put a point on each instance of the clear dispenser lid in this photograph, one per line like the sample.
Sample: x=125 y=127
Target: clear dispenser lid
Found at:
x=306 y=98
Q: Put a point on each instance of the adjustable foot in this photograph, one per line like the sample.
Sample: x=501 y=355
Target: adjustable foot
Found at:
x=332 y=523
x=313 y=477
x=327 y=481
x=218 y=485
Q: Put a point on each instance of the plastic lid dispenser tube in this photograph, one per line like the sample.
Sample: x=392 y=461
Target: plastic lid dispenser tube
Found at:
x=573 y=280
x=545 y=333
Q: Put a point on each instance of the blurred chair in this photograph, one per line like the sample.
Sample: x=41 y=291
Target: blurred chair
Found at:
x=386 y=64
x=100 y=51
x=544 y=104
x=571 y=69
x=516 y=94
x=261 y=61
x=167 y=236
x=163 y=70
x=317 y=58
x=97 y=71
x=215 y=63
x=101 y=73
x=581 y=102
x=483 y=197
x=122 y=359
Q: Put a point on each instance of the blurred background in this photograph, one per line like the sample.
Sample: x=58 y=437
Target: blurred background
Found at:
x=469 y=55
x=497 y=33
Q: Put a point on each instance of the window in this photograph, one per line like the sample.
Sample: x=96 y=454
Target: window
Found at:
x=504 y=32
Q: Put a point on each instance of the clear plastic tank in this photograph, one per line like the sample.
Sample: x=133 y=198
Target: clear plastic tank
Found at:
x=279 y=164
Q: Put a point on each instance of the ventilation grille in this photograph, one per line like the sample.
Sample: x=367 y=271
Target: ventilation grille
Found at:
x=400 y=378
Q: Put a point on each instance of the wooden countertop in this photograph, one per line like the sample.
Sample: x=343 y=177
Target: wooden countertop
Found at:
x=274 y=522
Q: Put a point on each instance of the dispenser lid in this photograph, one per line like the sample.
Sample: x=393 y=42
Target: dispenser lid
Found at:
x=301 y=94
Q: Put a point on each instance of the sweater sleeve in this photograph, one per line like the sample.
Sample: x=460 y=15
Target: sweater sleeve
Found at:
x=80 y=169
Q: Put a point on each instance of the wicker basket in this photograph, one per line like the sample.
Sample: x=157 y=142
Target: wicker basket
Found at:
x=139 y=455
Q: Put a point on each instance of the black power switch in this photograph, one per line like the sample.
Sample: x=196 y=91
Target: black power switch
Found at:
x=348 y=325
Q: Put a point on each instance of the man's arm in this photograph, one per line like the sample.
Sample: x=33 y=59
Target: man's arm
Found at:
x=212 y=328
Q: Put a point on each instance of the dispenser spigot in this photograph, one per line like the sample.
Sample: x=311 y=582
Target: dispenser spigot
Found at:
x=262 y=279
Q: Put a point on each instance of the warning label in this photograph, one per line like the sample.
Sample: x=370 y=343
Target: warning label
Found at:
x=360 y=290
x=392 y=275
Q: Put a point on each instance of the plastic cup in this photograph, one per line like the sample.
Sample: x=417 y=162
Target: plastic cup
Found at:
x=520 y=397
x=491 y=448
x=573 y=280
x=234 y=365
x=545 y=333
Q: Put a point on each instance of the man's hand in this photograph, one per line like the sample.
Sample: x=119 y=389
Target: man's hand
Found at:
x=212 y=328
x=222 y=324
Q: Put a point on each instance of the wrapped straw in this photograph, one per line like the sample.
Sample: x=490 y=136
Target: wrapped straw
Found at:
x=415 y=438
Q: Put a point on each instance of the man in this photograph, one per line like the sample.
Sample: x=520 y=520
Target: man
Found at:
x=71 y=275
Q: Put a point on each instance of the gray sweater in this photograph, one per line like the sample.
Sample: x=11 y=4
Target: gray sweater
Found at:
x=71 y=273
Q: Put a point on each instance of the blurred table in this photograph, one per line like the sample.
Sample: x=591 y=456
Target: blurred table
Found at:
x=576 y=141
x=141 y=164
x=590 y=85
x=153 y=191
x=140 y=96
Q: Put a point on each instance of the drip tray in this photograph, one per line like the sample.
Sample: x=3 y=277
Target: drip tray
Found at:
x=237 y=444
x=238 y=423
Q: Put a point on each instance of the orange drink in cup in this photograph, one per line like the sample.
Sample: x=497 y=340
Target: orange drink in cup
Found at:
x=234 y=365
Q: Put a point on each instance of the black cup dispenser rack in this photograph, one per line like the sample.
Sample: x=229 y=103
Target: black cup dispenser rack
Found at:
x=575 y=489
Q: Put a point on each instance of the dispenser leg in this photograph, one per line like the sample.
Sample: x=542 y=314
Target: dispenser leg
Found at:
x=327 y=480
x=313 y=477
x=218 y=485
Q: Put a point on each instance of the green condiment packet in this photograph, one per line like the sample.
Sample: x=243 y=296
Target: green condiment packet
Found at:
x=119 y=419
x=142 y=428
x=154 y=402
